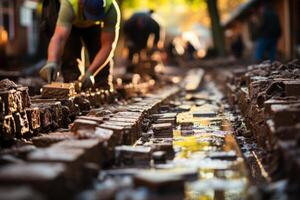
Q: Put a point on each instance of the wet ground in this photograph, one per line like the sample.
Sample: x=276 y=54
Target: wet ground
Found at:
x=206 y=157
x=176 y=141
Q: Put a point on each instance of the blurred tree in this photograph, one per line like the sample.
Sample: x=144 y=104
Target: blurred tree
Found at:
x=216 y=27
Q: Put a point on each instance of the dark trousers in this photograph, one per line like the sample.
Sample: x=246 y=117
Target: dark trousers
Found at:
x=266 y=45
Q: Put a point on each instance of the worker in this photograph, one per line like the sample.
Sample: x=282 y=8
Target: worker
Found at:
x=269 y=33
x=95 y=25
x=138 y=30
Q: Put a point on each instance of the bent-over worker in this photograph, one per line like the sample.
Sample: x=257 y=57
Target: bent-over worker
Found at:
x=92 y=23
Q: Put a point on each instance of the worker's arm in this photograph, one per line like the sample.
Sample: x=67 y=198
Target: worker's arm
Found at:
x=109 y=39
x=55 y=51
x=105 y=54
x=57 y=43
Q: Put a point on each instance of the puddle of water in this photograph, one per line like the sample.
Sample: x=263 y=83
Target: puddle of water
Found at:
x=213 y=151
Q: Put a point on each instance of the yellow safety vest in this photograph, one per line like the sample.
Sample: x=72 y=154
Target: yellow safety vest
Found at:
x=79 y=15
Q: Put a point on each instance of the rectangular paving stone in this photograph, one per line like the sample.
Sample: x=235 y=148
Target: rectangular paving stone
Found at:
x=132 y=156
x=56 y=90
x=46 y=140
x=49 y=179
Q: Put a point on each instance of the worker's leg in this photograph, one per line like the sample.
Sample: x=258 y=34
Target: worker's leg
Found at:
x=260 y=49
x=272 y=48
x=72 y=51
x=91 y=38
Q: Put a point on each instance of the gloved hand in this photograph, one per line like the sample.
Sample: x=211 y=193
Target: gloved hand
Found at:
x=49 y=72
x=86 y=81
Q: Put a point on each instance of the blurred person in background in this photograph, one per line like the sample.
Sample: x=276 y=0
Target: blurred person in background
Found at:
x=190 y=50
x=269 y=32
x=93 y=24
x=141 y=31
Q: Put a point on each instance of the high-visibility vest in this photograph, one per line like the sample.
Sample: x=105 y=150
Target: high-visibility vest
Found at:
x=79 y=16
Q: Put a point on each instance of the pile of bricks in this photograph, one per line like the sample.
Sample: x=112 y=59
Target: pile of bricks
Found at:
x=58 y=106
x=70 y=158
x=15 y=111
x=268 y=96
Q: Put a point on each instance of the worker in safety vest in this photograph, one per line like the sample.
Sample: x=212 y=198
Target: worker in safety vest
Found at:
x=93 y=24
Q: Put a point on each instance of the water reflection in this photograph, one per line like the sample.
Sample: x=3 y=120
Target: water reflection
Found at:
x=211 y=149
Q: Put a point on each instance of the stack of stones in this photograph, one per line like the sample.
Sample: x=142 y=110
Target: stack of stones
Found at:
x=61 y=163
x=268 y=96
x=15 y=111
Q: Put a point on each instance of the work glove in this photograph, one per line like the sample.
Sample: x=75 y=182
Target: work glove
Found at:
x=87 y=81
x=49 y=72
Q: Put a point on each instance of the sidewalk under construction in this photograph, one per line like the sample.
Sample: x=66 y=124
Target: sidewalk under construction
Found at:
x=190 y=136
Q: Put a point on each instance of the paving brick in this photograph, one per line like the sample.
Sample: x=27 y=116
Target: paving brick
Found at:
x=45 y=178
x=33 y=116
x=160 y=183
x=8 y=128
x=46 y=140
x=58 y=90
x=134 y=156
x=19 y=193
x=93 y=149
x=9 y=100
